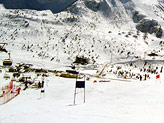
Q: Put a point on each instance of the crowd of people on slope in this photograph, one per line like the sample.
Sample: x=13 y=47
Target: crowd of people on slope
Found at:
x=132 y=71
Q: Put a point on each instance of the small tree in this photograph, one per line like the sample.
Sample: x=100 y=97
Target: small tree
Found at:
x=145 y=36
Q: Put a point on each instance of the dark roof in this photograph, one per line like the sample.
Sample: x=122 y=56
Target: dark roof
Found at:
x=152 y=54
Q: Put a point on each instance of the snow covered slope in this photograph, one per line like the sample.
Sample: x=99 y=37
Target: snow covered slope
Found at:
x=115 y=102
x=52 y=33
x=95 y=29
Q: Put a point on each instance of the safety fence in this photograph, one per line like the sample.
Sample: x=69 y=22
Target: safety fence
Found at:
x=8 y=92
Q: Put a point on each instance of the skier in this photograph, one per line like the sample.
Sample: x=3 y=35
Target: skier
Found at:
x=161 y=69
x=39 y=85
x=145 y=77
x=42 y=83
x=19 y=89
x=140 y=78
x=26 y=86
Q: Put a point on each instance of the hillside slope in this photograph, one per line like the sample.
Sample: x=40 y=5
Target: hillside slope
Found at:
x=128 y=91
x=96 y=29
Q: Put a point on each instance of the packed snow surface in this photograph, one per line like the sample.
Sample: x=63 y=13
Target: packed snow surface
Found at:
x=50 y=34
x=115 y=102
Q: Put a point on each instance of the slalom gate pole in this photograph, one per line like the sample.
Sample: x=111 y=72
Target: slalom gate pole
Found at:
x=84 y=90
x=84 y=95
x=74 y=95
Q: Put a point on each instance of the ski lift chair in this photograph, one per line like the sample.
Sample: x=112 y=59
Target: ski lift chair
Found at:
x=7 y=62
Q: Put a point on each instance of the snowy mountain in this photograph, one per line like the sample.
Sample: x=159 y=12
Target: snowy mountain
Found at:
x=95 y=29
x=116 y=44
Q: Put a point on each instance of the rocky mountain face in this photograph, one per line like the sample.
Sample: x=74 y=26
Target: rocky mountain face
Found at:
x=150 y=26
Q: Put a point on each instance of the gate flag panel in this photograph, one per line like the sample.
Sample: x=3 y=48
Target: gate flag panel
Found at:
x=79 y=84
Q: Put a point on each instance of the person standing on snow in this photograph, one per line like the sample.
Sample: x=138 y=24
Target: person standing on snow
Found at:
x=19 y=89
x=140 y=77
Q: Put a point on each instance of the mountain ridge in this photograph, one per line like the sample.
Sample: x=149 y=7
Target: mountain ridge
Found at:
x=54 y=5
